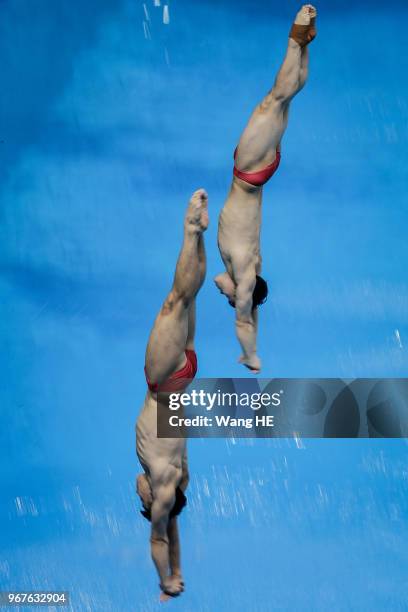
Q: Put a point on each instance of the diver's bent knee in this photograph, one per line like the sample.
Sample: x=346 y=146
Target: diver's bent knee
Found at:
x=274 y=103
x=279 y=100
x=177 y=299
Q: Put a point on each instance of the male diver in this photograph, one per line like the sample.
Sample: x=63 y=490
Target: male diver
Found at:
x=257 y=158
x=170 y=363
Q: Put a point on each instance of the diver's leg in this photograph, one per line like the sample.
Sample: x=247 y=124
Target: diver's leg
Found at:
x=167 y=342
x=263 y=134
x=191 y=326
x=192 y=307
x=202 y=258
x=304 y=67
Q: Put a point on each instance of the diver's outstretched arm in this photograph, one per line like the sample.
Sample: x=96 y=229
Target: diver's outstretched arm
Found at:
x=165 y=547
x=174 y=547
x=246 y=322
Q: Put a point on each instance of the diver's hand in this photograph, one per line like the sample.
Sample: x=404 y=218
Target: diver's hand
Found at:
x=173 y=586
x=253 y=363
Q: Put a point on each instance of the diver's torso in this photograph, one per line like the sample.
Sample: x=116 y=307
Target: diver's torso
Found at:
x=150 y=448
x=239 y=227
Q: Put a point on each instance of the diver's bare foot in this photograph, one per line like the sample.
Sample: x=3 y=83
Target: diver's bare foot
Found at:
x=172 y=587
x=304 y=30
x=252 y=363
x=306 y=14
x=197 y=220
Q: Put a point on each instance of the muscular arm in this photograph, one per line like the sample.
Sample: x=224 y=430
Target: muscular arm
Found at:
x=246 y=321
x=172 y=528
x=164 y=497
x=174 y=547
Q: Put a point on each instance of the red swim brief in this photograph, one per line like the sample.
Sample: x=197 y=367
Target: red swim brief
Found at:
x=259 y=178
x=180 y=379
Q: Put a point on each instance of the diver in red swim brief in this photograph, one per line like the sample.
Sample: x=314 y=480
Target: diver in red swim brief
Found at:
x=257 y=158
x=170 y=364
